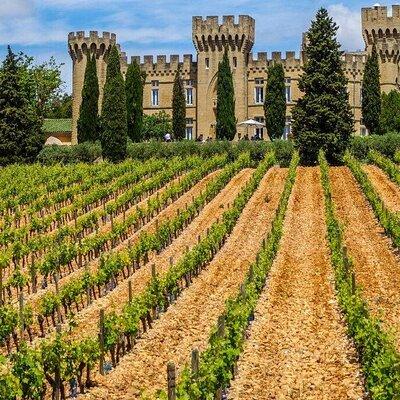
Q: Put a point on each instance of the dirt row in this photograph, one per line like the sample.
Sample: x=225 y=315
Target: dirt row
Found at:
x=376 y=262
x=188 y=322
x=388 y=191
x=87 y=320
x=297 y=346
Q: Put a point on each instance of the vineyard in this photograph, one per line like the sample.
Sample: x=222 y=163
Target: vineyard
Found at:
x=186 y=277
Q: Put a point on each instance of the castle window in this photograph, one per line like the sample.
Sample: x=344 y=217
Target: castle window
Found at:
x=155 y=83
x=189 y=96
x=207 y=63
x=288 y=90
x=259 y=91
x=189 y=129
x=288 y=128
x=259 y=131
x=154 y=93
x=234 y=62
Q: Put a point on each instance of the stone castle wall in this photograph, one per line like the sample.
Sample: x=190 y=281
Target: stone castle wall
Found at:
x=210 y=36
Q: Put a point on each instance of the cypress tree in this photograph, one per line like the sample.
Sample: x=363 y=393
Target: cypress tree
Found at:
x=88 y=122
x=390 y=115
x=226 y=121
x=21 y=137
x=114 y=131
x=275 y=102
x=371 y=93
x=178 y=107
x=134 y=101
x=323 y=118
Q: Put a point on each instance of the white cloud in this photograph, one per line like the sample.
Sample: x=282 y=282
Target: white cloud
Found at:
x=15 y=8
x=349 y=21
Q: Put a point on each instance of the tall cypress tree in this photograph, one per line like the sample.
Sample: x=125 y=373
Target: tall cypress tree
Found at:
x=275 y=102
x=21 y=137
x=323 y=118
x=371 y=93
x=88 y=122
x=114 y=131
x=226 y=121
x=178 y=107
x=134 y=100
x=390 y=115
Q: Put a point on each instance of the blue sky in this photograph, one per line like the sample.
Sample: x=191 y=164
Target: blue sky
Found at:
x=40 y=27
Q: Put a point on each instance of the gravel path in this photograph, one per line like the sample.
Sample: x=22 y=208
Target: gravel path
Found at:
x=376 y=265
x=388 y=191
x=297 y=346
x=188 y=322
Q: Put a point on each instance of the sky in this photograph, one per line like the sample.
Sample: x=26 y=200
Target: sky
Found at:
x=40 y=27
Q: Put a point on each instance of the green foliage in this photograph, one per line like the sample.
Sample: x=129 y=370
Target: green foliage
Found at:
x=218 y=360
x=114 y=128
x=275 y=102
x=392 y=170
x=371 y=94
x=134 y=83
x=379 y=359
x=155 y=126
x=226 y=121
x=178 y=108
x=21 y=137
x=387 y=145
x=60 y=107
x=322 y=117
x=390 y=115
x=10 y=388
x=88 y=121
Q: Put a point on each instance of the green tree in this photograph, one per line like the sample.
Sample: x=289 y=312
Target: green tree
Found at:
x=275 y=102
x=88 y=121
x=371 y=93
x=390 y=115
x=134 y=83
x=21 y=137
x=178 y=107
x=60 y=107
x=114 y=131
x=322 y=117
x=226 y=121
x=155 y=126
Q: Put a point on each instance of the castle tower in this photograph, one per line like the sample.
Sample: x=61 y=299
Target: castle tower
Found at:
x=79 y=48
x=210 y=39
x=384 y=31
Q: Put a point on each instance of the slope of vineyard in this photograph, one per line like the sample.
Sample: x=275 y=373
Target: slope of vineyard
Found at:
x=297 y=345
x=388 y=191
x=187 y=323
x=376 y=265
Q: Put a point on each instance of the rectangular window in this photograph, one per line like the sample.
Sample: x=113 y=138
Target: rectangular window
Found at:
x=288 y=128
x=189 y=132
x=259 y=95
x=154 y=97
x=288 y=90
x=189 y=96
x=234 y=62
x=207 y=63
x=259 y=132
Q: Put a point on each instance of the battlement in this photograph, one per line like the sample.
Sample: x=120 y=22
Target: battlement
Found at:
x=262 y=60
x=209 y=34
x=354 y=61
x=380 y=13
x=92 y=37
x=160 y=63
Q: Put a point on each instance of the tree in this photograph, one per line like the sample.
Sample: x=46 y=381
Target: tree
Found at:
x=114 y=131
x=134 y=83
x=21 y=137
x=88 y=121
x=60 y=107
x=371 y=93
x=155 y=126
x=178 y=107
x=275 y=102
x=322 y=118
x=390 y=115
x=226 y=121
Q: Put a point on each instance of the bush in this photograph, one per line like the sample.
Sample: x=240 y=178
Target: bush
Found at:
x=84 y=152
x=387 y=145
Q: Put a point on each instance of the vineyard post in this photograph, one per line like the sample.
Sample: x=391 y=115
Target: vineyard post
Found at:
x=33 y=273
x=88 y=293
x=171 y=261
x=195 y=362
x=187 y=249
x=101 y=339
x=198 y=239
x=171 y=381
x=130 y=294
x=263 y=244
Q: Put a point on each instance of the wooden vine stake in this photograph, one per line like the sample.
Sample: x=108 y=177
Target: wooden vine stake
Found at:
x=101 y=340
x=130 y=294
x=171 y=381
x=195 y=362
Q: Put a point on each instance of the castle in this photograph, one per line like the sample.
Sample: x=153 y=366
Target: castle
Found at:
x=210 y=37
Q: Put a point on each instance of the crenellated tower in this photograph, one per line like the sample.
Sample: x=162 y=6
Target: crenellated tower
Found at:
x=210 y=39
x=80 y=46
x=383 y=30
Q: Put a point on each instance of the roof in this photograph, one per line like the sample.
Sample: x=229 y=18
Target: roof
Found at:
x=57 y=125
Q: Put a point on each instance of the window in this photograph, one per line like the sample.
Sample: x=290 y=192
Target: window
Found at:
x=154 y=93
x=259 y=131
x=207 y=63
x=189 y=92
x=288 y=128
x=189 y=128
x=234 y=62
x=259 y=91
x=288 y=90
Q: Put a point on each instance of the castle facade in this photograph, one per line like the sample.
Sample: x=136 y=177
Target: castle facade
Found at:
x=210 y=37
